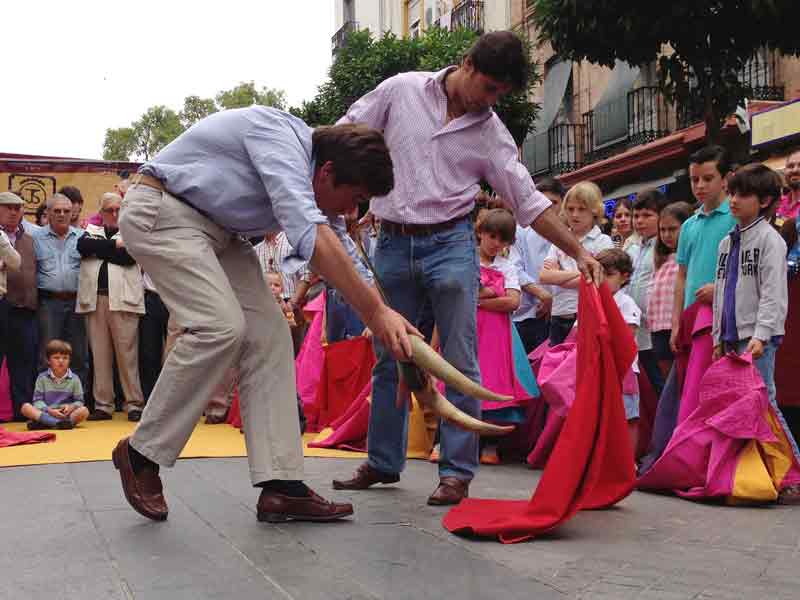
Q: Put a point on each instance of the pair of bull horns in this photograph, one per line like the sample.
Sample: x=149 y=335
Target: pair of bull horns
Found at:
x=429 y=361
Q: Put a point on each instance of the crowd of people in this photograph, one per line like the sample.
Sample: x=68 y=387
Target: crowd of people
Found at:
x=85 y=323
x=76 y=310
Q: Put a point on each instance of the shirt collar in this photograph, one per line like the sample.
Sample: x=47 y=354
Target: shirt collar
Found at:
x=751 y=226
x=723 y=209
x=68 y=375
x=594 y=232
x=70 y=232
x=437 y=79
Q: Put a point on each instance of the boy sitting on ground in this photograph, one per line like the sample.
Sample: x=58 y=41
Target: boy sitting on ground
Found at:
x=58 y=394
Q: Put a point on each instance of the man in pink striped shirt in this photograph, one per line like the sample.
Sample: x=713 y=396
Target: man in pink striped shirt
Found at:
x=444 y=139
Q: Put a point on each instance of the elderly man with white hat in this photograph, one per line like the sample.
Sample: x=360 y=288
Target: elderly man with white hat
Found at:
x=10 y=261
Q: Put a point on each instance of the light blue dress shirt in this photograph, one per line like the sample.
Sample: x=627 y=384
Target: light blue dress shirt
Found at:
x=528 y=254
x=58 y=261
x=249 y=170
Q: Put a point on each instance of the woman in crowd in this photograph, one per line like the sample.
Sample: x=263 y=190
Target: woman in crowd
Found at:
x=111 y=294
x=622 y=221
x=662 y=294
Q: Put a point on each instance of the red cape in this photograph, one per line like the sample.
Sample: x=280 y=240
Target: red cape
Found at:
x=592 y=463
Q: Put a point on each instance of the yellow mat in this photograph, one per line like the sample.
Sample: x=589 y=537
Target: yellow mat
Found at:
x=95 y=440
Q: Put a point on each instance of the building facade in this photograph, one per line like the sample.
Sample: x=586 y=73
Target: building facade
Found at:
x=409 y=18
x=614 y=126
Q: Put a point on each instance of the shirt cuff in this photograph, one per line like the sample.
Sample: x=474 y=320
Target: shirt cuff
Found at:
x=531 y=209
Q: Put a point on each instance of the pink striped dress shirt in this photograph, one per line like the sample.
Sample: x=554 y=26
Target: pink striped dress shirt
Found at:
x=438 y=166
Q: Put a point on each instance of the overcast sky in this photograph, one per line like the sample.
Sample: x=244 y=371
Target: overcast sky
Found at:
x=73 y=69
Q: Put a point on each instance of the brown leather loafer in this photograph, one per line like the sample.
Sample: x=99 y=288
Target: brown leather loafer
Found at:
x=143 y=490
x=451 y=490
x=99 y=415
x=364 y=477
x=279 y=508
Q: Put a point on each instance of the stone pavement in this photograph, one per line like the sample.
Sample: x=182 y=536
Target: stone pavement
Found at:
x=67 y=532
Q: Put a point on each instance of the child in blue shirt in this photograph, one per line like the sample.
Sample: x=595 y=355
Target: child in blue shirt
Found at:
x=58 y=394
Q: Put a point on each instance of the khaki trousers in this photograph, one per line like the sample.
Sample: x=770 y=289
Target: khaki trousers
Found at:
x=211 y=282
x=114 y=334
x=222 y=398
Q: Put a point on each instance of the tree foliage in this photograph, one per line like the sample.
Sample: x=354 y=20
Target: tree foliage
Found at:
x=196 y=108
x=159 y=125
x=246 y=94
x=364 y=62
x=708 y=41
x=119 y=144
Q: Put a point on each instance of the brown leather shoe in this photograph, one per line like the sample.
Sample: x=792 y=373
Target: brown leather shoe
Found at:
x=143 y=490
x=451 y=490
x=273 y=507
x=364 y=477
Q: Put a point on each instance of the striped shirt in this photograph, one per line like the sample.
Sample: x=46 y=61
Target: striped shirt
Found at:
x=271 y=255
x=439 y=165
x=52 y=392
x=662 y=296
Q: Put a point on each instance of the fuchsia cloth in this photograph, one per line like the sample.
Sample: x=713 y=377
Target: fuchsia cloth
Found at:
x=308 y=364
x=495 y=349
x=17 y=438
x=350 y=429
x=346 y=371
x=731 y=408
x=6 y=406
x=592 y=462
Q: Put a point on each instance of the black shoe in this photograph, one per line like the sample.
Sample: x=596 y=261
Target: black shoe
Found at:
x=134 y=415
x=36 y=426
x=65 y=424
x=99 y=415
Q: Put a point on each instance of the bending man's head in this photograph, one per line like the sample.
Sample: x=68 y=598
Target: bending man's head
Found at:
x=352 y=164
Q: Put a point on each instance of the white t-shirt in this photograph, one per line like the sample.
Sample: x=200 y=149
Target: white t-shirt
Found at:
x=565 y=301
x=632 y=315
x=509 y=271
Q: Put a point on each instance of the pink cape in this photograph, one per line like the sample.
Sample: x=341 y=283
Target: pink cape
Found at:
x=15 y=438
x=704 y=456
x=495 y=350
x=6 y=406
x=308 y=364
x=592 y=463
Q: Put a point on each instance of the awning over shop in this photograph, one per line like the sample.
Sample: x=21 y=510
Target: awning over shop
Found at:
x=634 y=188
x=535 y=147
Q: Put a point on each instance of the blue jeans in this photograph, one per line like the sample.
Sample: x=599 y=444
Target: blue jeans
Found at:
x=441 y=268
x=58 y=320
x=766 y=366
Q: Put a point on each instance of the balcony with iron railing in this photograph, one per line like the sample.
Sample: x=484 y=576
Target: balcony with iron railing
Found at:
x=638 y=117
x=566 y=150
x=468 y=14
x=340 y=37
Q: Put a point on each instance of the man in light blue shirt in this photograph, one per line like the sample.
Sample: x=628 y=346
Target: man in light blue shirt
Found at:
x=186 y=219
x=58 y=264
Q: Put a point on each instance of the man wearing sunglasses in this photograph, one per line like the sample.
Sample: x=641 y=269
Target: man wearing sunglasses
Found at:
x=58 y=265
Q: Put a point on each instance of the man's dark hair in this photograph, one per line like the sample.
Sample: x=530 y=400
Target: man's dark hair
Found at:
x=552 y=185
x=650 y=199
x=502 y=56
x=715 y=154
x=359 y=156
x=615 y=260
x=758 y=180
x=40 y=213
x=73 y=193
x=500 y=222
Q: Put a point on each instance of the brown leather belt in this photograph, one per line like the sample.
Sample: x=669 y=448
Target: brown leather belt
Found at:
x=149 y=181
x=418 y=230
x=57 y=295
x=140 y=179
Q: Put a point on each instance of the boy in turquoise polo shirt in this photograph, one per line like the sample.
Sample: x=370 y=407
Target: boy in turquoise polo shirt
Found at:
x=701 y=234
